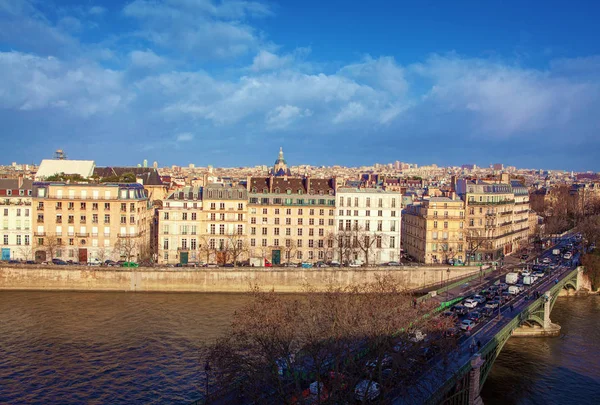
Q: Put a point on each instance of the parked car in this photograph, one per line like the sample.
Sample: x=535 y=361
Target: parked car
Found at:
x=334 y=263
x=567 y=256
x=30 y=262
x=367 y=390
x=228 y=265
x=306 y=265
x=290 y=265
x=546 y=260
x=321 y=264
x=59 y=262
x=394 y=264
x=14 y=262
x=134 y=264
x=110 y=263
x=470 y=303
x=467 y=324
x=212 y=265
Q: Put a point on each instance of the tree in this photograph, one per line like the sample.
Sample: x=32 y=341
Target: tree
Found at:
x=278 y=345
x=102 y=254
x=475 y=239
x=289 y=249
x=127 y=247
x=26 y=252
x=236 y=246
x=50 y=244
x=591 y=263
x=206 y=248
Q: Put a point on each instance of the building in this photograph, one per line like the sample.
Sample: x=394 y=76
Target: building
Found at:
x=433 y=231
x=497 y=217
x=15 y=206
x=368 y=225
x=87 y=222
x=51 y=167
x=280 y=167
x=291 y=219
x=223 y=235
x=180 y=224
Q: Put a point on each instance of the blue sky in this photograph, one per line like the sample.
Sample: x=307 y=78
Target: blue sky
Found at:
x=227 y=82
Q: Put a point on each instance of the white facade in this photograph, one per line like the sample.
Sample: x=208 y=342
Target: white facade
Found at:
x=373 y=212
x=15 y=220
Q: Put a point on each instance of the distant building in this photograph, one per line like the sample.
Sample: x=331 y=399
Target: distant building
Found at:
x=497 y=166
x=15 y=208
x=50 y=167
x=280 y=167
x=145 y=163
x=155 y=165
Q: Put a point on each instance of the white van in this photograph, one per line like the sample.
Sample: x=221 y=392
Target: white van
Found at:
x=514 y=290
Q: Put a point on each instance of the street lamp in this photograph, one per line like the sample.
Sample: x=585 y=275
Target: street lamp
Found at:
x=447 y=282
x=206 y=371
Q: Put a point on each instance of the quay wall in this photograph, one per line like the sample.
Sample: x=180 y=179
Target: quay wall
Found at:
x=81 y=278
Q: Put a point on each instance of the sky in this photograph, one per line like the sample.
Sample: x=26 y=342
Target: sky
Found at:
x=226 y=83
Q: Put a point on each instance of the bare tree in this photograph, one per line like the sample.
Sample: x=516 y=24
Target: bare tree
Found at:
x=475 y=239
x=205 y=248
x=102 y=254
x=26 y=252
x=278 y=345
x=50 y=244
x=289 y=249
x=237 y=247
x=127 y=247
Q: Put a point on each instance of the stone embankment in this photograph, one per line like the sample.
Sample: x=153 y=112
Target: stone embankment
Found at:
x=234 y=280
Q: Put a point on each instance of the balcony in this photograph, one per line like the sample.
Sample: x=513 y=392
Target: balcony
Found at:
x=491 y=202
x=40 y=220
x=505 y=223
x=94 y=235
x=128 y=235
x=83 y=235
x=70 y=233
x=183 y=249
x=521 y=221
x=506 y=212
x=39 y=234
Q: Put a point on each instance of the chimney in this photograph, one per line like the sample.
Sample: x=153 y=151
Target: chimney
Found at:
x=505 y=178
x=307 y=184
x=20 y=181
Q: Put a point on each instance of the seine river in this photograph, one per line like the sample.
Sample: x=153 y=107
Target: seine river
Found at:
x=117 y=348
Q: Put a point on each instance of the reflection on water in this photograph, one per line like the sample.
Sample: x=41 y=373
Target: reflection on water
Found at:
x=106 y=348
x=563 y=370
x=117 y=348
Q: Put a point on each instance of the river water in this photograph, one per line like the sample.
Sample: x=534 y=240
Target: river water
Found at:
x=117 y=348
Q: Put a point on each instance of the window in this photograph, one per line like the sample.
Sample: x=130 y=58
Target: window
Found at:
x=367 y=225
x=311 y=243
x=379 y=226
x=341 y=201
x=184 y=216
x=123 y=219
x=222 y=229
x=393 y=226
x=107 y=218
x=299 y=221
x=299 y=231
x=166 y=244
x=264 y=211
x=288 y=211
x=253 y=230
x=276 y=231
x=393 y=203
x=392 y=240
x=213 y=229
x=368 y=201
x=321 y=232
x=393 y=213
x=368 y=213
x=378 y=241
x=288 y=221
x=264 y=231
x=240 y=206
x=276 y=221
x=264 y=220
x=299 y=243
x=264 y=242
x=26 y=240
x=445 y=225
x=253 y=242
x=380 y=213
x=380 y=203
x=288 y=231
x=240 y=229
x=253 y=220
x=434 y=235
x=221 y=206
x=6 y=240
x=356 y=201
x=435 y=224
x=471 y=222
x=275 y=242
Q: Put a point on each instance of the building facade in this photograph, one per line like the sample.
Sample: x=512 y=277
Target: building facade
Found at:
x=291 y=219
x=180 y=227
x=368 y=225
x=497 y=218
x=433 y=231
x=87 y=222
x=15 y=208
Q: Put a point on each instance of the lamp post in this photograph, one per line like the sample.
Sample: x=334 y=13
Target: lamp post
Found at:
x=447 y=282
x=206 y=371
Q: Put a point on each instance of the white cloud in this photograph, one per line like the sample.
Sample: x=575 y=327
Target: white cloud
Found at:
x=35 y=83
x=283 y=116
x=204 y=29
x=96 y=10
x=145 y=58
x=350 y=112
x=184 y=137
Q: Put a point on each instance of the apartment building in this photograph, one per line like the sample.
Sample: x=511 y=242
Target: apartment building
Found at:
x=86 y=222
x=15 y=208
x=433 y=230
x=291 y=219
x=180 y=225
x=368 y=223
x=497 y=217
x=225 y=217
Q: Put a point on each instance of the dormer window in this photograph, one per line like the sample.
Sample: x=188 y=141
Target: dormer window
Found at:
x=277 y=190
x=254 y=189
x=321 y=192
x=8 y=192
x=265 y=191
x=289 y=191
x=299 y=191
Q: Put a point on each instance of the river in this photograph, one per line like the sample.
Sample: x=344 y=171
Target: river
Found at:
x=117 y=348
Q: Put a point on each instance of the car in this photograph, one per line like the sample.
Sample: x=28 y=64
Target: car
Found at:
x=386 y=361
x=110 y=263
x=428 y=352
x=503 y=286
x=506 y=296
x=449 y=314
x=290 y=265
x=14 y=262
x=470 y=303
x=367 y=390
x=394 y=264
x=59 y=262
x=451 y=332
x=487 y=312
x=525 y=273
x=479 y=298
x=334 y=263
x=492 y=304
x=30 y=262
x=475 y=316
x=417 y=336
x=353 y=264
x=467 y=325
x=131 y=264
x=306 y=265
x=546 y=260
x=460 y=309
x=228 y=265
x=212 y=265
x=567 y=256
x=321 y=264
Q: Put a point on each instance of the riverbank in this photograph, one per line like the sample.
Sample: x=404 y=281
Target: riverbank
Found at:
x=221 y=280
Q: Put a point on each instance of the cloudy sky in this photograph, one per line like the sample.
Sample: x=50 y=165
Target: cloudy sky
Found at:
x=334 y=82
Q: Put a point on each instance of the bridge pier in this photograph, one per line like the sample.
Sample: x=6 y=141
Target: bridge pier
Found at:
x=474 y=383
x=548 y=329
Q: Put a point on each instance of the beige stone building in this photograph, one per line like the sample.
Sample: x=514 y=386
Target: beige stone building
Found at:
x=180 y=227
x=497 y=217
x=290 y=219
x=88 y=222
x=433 y=231
x=15 y=216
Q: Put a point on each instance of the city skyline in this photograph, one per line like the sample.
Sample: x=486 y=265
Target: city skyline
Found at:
x=227 y=83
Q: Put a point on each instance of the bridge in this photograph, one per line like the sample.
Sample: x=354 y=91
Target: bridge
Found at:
x=463 y=379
